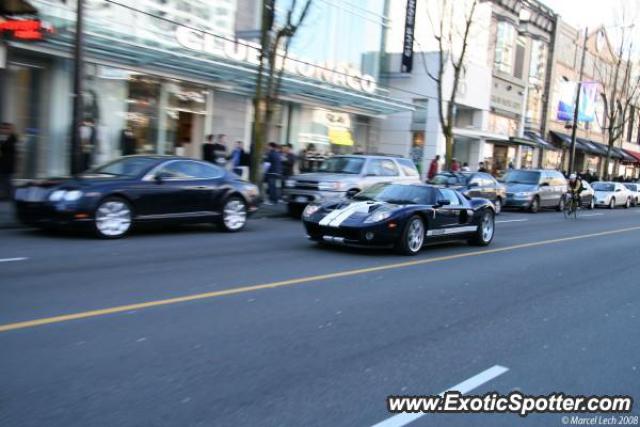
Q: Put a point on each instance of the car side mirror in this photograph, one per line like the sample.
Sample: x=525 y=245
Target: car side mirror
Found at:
x=443 y=202
x=160 y=177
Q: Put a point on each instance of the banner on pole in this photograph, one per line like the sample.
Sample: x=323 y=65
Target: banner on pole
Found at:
x=409 y=27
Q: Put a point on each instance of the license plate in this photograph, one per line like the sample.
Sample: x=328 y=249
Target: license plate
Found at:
x=301 y=199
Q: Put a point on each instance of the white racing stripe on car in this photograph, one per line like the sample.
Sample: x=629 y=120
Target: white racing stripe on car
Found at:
x=338 y=216
x=453 y=230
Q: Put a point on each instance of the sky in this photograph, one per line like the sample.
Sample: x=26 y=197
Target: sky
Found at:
x=592 y=13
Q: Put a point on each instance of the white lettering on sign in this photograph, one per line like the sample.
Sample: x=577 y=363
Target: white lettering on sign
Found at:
x=245 y=51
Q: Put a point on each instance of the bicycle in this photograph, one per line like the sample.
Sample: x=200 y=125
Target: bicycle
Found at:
x=570 y=206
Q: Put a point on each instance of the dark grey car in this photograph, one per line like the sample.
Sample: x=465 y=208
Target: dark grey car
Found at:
x=534 y=189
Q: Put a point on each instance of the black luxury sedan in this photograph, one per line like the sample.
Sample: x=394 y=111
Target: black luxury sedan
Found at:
x=110 y=199
x=401 y=216
x=474 y=184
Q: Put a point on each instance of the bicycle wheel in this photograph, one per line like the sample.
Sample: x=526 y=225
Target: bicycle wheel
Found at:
x=566 y=209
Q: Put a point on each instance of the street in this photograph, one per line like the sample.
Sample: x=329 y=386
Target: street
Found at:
x=192 y=326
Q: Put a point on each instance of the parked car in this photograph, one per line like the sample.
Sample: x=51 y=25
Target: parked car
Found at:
x=110 y=199
x=341 y=176
x=635 y=191
x=474 y=184
x=401 y=216
x=587 y=197
x=612 y=194
x=533 y=189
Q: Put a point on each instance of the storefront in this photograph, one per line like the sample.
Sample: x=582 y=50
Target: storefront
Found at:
x=164 y=91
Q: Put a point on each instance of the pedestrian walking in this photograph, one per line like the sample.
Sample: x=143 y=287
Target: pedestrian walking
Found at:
x=273 y=172
x=127 y=142
x=455 y=166
x=220 y=150
x=8 y=159
x=208 y=150
x=434 y=167
x=238 y=158
x=288 y=161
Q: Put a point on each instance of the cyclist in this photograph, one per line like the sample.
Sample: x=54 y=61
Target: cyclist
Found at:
x=575 y=189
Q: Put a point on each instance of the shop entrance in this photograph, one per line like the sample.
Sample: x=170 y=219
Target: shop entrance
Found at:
x=188 y=134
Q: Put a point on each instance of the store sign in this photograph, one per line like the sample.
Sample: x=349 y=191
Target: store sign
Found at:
x=24 y=29
x=409 y=26
x=245 y=51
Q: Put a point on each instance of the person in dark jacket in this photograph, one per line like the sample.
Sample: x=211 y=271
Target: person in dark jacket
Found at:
x=288 y=161
x=8 y=143
x=274 y=171
x=238 y=158
x=208 y=154
x=127 y=142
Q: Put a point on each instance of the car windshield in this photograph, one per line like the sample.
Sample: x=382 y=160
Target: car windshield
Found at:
x=350 y=165
x=127 y=166
x=398 y=194
x=602 y=186
x=522 y=177
x=448 y=179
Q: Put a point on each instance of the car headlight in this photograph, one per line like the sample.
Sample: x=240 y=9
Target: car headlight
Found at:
x=310 y=210
x=377 y=216
x=72 y=196
x=332 y=186
x=290 y=183
x=57 y=195
x=524 y=194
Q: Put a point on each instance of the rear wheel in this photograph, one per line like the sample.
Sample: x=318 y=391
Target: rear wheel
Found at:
x=535 y=205
x=113 y=218
x=234 y=214
x=412 y=237
x=486 y=230
x=561 y=203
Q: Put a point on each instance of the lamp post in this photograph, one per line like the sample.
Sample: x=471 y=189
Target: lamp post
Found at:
x=574 y=129
x=78 y=75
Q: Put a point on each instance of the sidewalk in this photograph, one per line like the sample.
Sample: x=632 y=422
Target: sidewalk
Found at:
x=8 y=220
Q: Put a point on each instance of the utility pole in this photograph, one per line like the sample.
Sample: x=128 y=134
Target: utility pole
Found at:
x=574 y=130
x=78 y=76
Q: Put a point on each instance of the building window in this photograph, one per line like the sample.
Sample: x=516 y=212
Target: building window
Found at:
x=505 y=45
x=419 y=115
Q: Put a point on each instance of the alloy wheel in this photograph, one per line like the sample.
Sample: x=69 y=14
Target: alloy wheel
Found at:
x=488 y=227
x=415 y=236
x=234 y=214
x=113 y=218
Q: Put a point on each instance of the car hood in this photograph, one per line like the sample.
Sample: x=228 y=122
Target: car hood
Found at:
x=521 y=188
x=318 y=177
x=75 y=182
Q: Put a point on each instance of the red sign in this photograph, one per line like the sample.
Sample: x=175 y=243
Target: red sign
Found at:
x=25 y=29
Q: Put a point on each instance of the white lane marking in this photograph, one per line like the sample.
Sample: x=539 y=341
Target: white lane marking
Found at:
x=504 y=221
x=464 y=387
x=13 y=259
x=590 y=215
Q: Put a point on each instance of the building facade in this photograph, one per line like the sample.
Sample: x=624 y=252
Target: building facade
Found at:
x=162 y=75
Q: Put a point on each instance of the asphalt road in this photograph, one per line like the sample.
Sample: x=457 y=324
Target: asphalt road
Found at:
x=281 y=332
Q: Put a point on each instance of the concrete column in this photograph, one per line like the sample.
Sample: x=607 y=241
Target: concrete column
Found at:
x=161 y=138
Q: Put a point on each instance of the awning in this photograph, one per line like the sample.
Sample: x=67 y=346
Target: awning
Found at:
x=540 y=141
x=16 y=7
x=160 y=54
x=633 y=154
x=625 y=157
x=586 y=146
x=479 y=134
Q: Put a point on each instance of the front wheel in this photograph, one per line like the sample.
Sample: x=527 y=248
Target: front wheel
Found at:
x=561 y=204
x=486 y=230
x=113 y=218
x=234 y=214
x=592 y=204
x=412 y=237
x=535 y=205
x=498 y=205
x=612 y=203
x=627 y=204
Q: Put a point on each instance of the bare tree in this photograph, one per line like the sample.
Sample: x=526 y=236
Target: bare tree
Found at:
x=620 y=87
x=274 y=48
x=453 y=42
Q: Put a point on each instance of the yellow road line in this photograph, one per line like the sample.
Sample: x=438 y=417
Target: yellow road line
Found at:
x=291 y=282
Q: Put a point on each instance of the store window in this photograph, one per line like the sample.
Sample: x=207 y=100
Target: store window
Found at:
x=505 y=45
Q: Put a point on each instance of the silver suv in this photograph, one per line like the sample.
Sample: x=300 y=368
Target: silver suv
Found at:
x=344 y=176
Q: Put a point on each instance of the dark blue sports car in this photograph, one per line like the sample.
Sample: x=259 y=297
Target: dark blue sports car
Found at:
x=401 y=216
